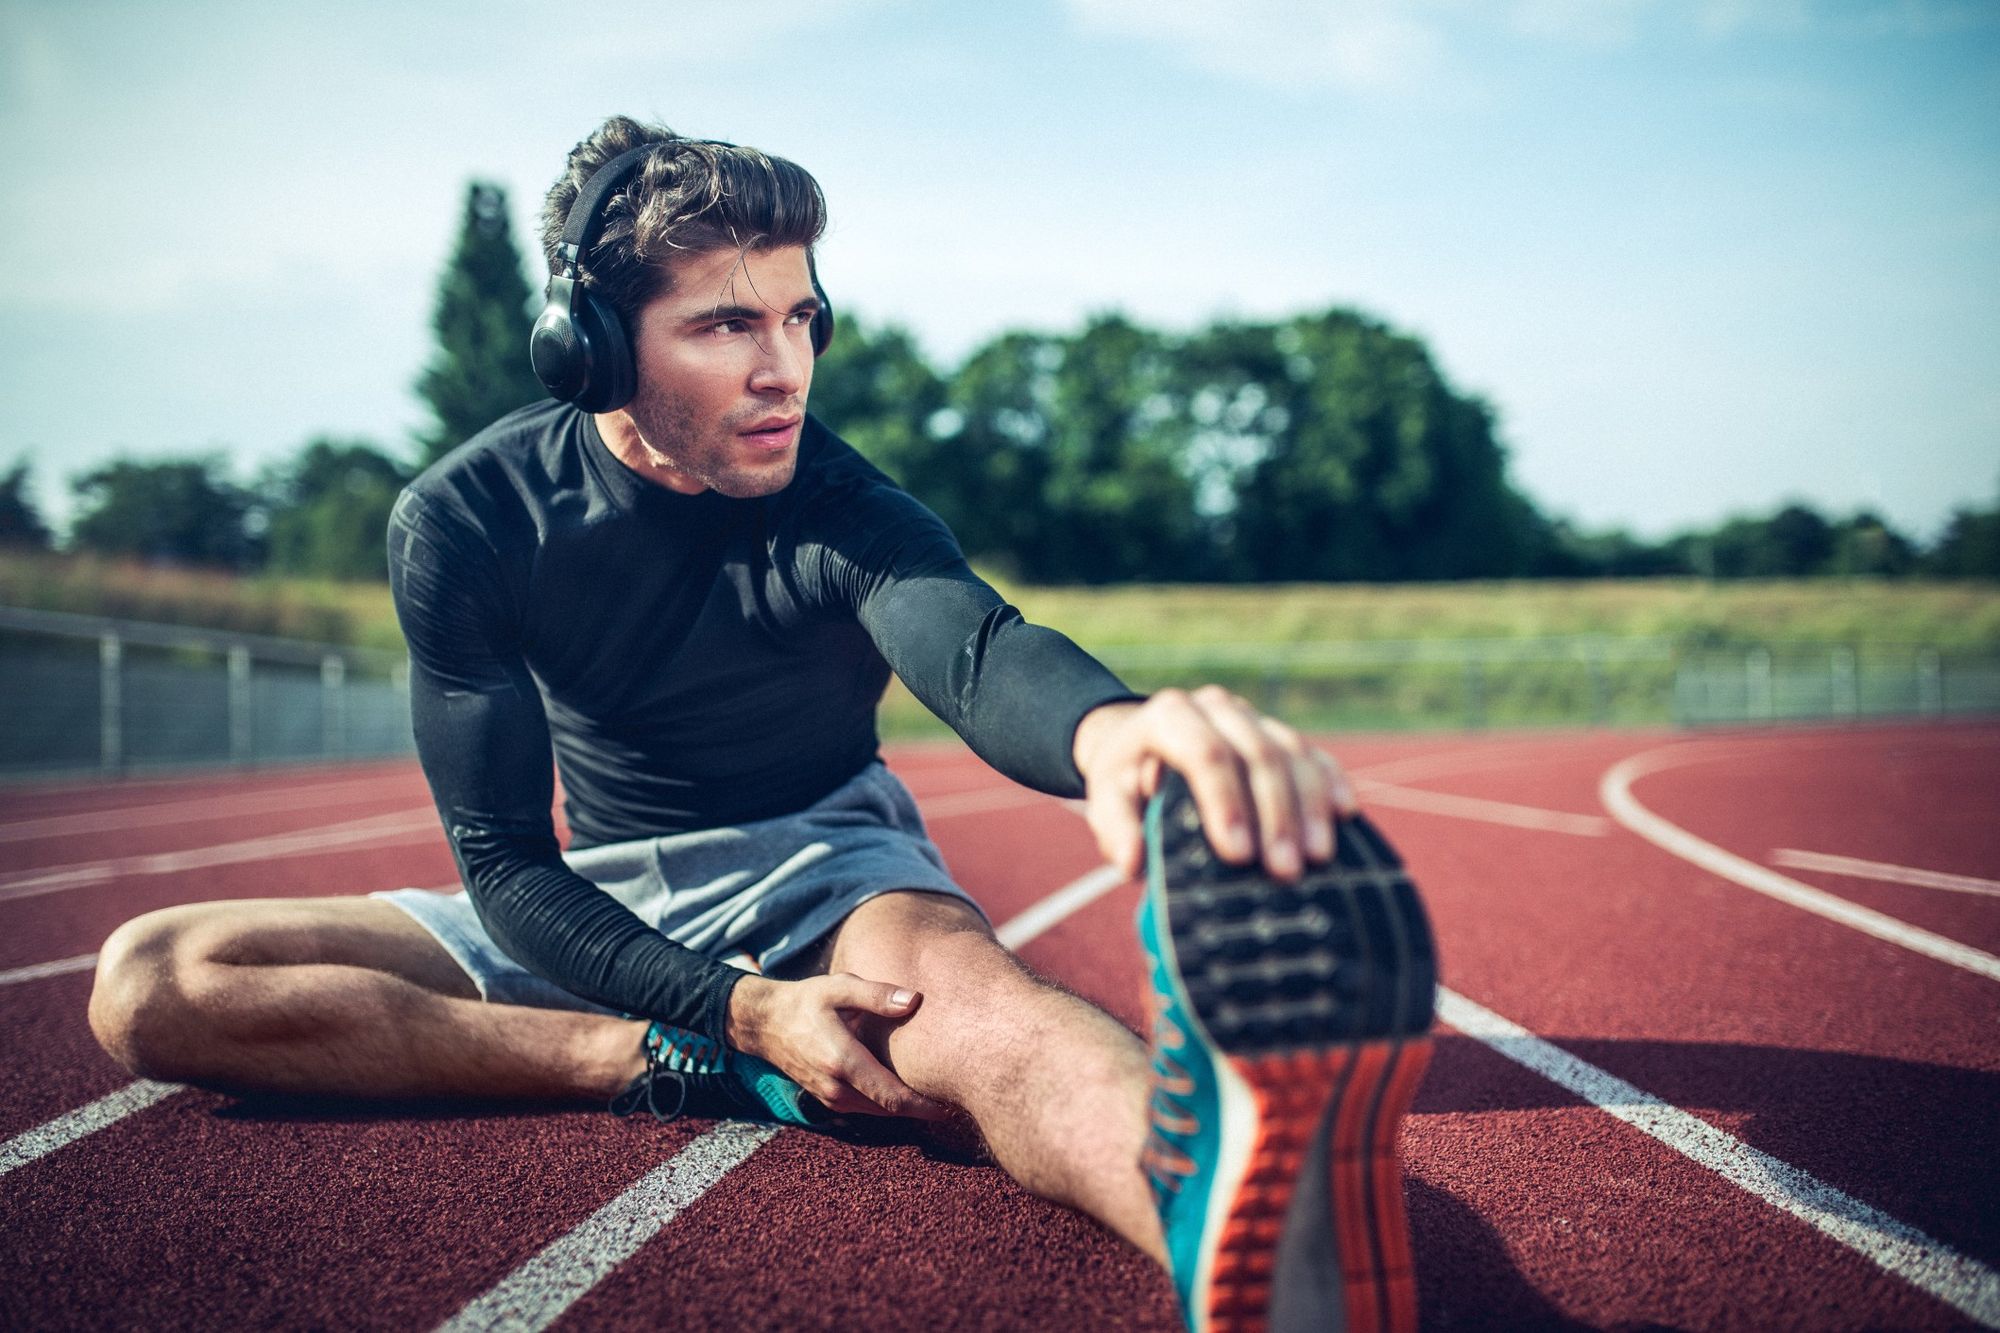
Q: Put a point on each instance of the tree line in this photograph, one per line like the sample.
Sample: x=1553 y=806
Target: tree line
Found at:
x=1323 y=447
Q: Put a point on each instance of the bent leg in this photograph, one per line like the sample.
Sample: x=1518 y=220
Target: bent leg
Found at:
x=339 y=996
x=1057 y=1086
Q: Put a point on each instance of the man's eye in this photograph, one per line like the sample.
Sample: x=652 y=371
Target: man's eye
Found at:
x=803 y=316
x=727 y=326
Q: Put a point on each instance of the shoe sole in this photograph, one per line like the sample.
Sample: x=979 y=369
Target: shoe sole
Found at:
x=1316 y=997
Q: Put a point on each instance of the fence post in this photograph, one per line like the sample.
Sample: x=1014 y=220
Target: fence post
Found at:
x=240 y=705
x=1757 y=684
x=1930 y=683
x=333 y=704
x=110 y=702
x=1600 y=692
x=1846 y=691
x=1475 y=694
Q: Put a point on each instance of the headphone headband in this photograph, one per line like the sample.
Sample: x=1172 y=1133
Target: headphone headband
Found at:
x=586 y=214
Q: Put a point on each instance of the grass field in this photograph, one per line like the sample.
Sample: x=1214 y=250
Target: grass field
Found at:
x=1218 y=632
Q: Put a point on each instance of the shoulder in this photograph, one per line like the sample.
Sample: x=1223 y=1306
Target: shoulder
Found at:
x=844 y=523
x=494 y=481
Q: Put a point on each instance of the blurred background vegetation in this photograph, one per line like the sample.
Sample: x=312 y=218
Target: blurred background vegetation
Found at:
x=1303 y=471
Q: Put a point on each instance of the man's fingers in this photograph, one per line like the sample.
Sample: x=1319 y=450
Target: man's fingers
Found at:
x=847 y=991
x=1268 y=768
x=1344 y=799
x=1113 y=813
x=1186 y=739
x=1315 y=788
x=885 y=1093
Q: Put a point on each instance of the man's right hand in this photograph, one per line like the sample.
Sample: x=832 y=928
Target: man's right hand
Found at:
x=804 y=1028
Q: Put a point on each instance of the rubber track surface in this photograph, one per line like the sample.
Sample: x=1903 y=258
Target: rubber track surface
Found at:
x=1870 y=1067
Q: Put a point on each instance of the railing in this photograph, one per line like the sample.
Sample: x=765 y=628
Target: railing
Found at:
x=82 y=692
x=86 y=692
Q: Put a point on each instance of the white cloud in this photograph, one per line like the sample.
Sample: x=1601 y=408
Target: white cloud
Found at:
x=1366 y=46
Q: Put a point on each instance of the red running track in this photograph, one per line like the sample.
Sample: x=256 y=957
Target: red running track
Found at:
x=1684 y=1082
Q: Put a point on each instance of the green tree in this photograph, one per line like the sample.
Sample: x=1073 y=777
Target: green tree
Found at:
x=1969 y=547
x=330 y=507
x=1866 y=545
x=180 y=510
x=480 y=370
x=21 y=524
x=876 y=390
x=1350 y=456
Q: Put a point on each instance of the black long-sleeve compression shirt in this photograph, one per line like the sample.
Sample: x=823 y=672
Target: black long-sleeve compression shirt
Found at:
x=690 y=662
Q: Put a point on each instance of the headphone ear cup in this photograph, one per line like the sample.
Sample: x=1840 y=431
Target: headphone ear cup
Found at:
x=610 y=377
x=822 y=326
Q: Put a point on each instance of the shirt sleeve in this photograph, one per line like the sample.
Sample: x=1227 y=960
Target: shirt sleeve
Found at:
x=484 y=742
x=1013 y=690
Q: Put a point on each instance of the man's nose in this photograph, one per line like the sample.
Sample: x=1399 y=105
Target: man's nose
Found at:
x=783 y=366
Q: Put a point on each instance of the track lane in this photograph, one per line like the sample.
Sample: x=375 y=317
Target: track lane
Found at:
x=1498 y=1223
x=1875 y=798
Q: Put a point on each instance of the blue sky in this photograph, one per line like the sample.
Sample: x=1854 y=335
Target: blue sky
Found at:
x=1702 y=256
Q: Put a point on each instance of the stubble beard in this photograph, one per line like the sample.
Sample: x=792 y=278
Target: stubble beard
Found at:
x=675 y=434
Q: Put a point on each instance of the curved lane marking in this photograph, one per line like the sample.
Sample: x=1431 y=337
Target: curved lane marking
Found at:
x=1855 y=868
x=1892 y=1245
x=1475 y=807
x=1616 y=792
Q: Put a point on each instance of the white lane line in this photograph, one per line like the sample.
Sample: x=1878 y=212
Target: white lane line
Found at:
x=36 y=971
x=88 y=1119
x=537 y=1293
x=415 y=825
x=1616 y=792
x=1474 y=807
x=181 y=812
x=1898 y=1248
x=1885 y=872
x=1046 y=913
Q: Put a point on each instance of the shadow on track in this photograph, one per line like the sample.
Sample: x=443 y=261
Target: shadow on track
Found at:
x=1915 y=1140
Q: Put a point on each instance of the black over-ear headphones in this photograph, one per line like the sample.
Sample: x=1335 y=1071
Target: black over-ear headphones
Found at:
x=580 y=349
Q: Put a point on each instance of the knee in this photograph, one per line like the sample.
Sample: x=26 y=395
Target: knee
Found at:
x=139 y=1002
x=971 y=983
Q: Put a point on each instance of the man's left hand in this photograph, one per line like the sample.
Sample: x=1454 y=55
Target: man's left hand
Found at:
x=1260 y=787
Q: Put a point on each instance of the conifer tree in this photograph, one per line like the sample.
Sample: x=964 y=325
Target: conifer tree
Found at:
x=480 y=370
x=21 y=523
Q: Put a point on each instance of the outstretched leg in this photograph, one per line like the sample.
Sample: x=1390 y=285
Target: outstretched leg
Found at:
x=1057 y=1086
x=337 y=996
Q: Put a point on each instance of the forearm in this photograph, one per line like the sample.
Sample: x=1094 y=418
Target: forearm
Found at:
x=567 y=930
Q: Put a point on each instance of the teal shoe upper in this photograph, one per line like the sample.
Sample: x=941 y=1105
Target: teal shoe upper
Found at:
x=689 y=1074
x=1184 y=1139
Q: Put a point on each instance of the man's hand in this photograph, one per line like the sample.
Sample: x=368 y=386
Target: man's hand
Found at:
x=1257 y=783
x=807 y=1029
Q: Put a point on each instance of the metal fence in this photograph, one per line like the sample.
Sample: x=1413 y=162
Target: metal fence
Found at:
x=84 y=692
x=81 y=692
x=1577 y=681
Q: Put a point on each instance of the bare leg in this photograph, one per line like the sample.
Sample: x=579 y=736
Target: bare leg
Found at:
x=342 y=996
x=1057 y=1086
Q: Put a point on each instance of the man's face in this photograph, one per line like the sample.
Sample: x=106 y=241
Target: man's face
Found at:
x=725 y=359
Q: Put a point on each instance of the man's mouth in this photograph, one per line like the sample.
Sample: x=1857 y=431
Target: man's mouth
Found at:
x=773 y=433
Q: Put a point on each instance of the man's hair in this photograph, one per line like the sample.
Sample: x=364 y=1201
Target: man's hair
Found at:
x=688 y=195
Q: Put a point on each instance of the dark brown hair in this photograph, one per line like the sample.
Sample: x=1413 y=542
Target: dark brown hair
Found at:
x=689 y=195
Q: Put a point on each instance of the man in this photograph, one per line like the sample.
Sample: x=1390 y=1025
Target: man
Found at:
x=691 y=595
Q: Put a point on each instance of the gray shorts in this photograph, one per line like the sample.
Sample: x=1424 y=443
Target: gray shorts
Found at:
x=769 y=890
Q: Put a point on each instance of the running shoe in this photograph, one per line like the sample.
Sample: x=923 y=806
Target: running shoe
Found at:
x=1288 y=1039
x=689 y=1074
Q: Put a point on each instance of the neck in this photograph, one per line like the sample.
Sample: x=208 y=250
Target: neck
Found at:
x=621 y=436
